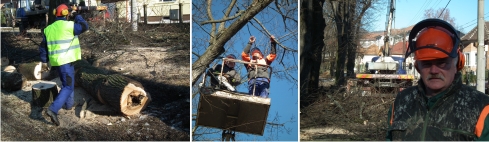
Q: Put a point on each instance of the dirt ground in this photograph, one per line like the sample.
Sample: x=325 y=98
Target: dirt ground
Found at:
x=157 y=56
x=332 y=114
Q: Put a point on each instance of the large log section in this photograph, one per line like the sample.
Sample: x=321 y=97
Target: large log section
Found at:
x=124 y=94
x=31 y=71
x=13 y=81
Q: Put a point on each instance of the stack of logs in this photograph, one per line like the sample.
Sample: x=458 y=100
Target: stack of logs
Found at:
x=124 y=94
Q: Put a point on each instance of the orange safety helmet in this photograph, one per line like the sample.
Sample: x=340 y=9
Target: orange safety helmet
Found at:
x=256 y=50
x=437 y=42
x=61 y=10
x=435 y=39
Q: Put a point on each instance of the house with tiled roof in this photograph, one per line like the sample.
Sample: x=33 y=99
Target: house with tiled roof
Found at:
x=469 y=43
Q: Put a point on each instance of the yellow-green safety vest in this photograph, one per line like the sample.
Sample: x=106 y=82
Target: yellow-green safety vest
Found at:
x=63 y=45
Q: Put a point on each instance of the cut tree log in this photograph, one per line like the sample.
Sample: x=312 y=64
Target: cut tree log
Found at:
x=44 y=93
x=124 y=94
x=12 y=81
x=31 y=71
x=9 y=69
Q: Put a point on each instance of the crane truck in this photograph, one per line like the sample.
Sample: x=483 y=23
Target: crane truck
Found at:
x=385 y=74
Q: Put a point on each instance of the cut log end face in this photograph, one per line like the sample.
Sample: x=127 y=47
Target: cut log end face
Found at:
x=133 y=100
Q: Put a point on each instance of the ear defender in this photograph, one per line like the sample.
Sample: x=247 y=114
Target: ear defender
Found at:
x=461 y=61
x=65 y=12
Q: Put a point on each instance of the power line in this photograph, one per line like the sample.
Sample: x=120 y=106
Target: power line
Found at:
x=444 y=8
x=418 y=12
x=475 y=19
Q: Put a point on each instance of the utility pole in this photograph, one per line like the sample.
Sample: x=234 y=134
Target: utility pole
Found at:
x=481 y=58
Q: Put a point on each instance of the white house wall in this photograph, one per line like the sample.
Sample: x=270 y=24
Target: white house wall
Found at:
x=154 y=8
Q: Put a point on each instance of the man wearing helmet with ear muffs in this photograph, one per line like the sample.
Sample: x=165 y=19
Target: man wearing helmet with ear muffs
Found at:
x=258 y=77
x=440 y=107
x=60 y=47
x=229 y=77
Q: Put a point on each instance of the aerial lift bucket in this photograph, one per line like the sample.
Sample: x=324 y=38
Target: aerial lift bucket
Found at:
x=236 y=111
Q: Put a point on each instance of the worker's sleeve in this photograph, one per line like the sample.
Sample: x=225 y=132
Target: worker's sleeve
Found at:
x=388 y=137
x=43 y=50
x=80 y=25
x=234 y=77
x=481 y=131
x=272 y=54
x=245 y=54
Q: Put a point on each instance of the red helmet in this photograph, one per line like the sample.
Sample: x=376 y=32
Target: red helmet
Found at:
x=61 y=10
x=433 y=43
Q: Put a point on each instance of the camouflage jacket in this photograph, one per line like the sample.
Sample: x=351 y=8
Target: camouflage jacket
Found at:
x=450 y=115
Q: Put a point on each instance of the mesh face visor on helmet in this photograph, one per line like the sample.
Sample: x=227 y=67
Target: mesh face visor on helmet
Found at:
x=231 y=56
x=254 y=49
x=435 y=39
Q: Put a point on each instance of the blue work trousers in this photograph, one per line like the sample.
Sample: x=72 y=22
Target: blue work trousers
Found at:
x=66 y=95
x=260 y=85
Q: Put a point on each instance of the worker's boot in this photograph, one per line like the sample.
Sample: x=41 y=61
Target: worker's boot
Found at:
x=226 y=83
x=54 y=117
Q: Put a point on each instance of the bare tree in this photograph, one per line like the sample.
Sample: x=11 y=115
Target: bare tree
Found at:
x=441 y=13
x=348 y=16
x=312 y=33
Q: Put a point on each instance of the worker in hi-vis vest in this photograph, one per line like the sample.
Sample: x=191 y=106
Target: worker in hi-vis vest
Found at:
x=59 y=49
x=258 y=76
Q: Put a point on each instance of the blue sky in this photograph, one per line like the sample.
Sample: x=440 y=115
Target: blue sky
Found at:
x=283 y=89
x=409 y=12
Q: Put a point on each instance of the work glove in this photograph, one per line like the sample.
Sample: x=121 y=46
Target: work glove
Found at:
x=45 y=67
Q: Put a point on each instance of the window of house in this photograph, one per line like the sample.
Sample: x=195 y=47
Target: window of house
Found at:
x=467 y=61
x=475 y=59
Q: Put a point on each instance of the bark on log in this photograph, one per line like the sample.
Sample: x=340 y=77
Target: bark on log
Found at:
x=12 y=81
x=9 y=69
x=44 y=93
x=31 y=71
x=124 y=94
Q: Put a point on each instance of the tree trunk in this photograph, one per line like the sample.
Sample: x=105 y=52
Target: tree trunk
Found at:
x=312 y=29
x=31 y=71
x=217 y=47
x=124 y=94
x=44 y=93
x=12 y=81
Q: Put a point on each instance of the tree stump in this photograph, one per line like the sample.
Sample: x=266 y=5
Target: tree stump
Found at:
x=44 y=93
x=31 y=71
x=124 y=94
x=12 y=81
